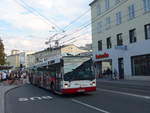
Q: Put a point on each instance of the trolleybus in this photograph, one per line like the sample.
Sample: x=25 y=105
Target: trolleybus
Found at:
x=65 y=75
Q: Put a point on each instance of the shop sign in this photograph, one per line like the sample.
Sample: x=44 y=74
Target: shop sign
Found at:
x=121 y=47
x=105 y=55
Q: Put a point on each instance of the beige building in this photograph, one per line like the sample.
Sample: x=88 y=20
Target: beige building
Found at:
x=44 y=55
x=71 y=50
x=121 y=37
x=14 y=52
x=18 y=58
x=13 y=60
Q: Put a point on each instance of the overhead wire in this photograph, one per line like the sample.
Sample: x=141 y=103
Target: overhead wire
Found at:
x=63 y=31
x=86 y=25
x=44 y=18
x=74 y=37
x=123 y=21
x=82 y=27
x=75 y=20
x=36 y=13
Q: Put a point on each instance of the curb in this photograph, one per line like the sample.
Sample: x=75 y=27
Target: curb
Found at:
x=3 y=97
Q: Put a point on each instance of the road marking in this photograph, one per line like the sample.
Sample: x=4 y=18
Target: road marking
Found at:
x=124 y=93
x=47 y=97
x=23 y=99
x=87 y=105
x=34 y=98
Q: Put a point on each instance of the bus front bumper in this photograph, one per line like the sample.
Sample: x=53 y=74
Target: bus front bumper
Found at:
x=78 y=90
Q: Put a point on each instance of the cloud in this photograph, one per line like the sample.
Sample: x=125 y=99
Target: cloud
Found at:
x=22 y=44
x=34 y=29
x=21 y=20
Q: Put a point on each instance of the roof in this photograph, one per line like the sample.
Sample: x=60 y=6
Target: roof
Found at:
x=13 y=55
x=92 y=2
x=51 y=49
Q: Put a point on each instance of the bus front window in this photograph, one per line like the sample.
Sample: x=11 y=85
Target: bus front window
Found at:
x=83 y=72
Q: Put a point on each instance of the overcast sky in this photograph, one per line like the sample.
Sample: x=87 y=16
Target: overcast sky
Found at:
x=23 y=27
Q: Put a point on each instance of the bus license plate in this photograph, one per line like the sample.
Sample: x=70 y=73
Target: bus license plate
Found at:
x=81 y=90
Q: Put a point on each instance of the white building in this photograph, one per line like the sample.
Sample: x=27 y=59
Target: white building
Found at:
x=121 y=37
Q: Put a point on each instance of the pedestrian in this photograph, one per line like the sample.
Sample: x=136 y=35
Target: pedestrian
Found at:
x=115 y=74
x=4 y=76
x=109 y=73
x=104 y=72
x=0 y=76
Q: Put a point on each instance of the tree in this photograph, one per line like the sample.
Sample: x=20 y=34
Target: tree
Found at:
x=2 y=53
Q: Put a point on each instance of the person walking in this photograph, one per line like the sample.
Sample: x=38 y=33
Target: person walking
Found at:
x=0 y=76
x=109 y=73
x=4 y=76
x=115 y=74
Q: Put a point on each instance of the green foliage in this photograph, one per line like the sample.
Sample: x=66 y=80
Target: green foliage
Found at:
x=2 y=54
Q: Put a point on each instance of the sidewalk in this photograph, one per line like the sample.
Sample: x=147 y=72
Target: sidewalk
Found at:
x=4 y=88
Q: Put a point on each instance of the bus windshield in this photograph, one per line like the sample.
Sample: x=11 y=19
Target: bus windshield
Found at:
x=82 y=72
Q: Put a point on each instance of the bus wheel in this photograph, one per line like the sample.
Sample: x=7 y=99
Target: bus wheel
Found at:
x=52 y=88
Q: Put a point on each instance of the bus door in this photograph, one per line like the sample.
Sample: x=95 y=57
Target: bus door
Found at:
x=58 y=79
x=45 y=80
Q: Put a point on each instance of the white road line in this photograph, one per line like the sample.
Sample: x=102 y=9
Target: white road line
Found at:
x=35 y=98
x=87 y=105
x=124 y=93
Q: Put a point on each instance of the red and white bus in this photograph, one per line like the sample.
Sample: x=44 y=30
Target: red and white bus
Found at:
x=65 y=75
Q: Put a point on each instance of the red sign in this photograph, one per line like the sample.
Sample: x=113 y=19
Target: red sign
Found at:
x=105 y=55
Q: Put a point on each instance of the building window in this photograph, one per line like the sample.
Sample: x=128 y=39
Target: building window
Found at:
x=98 y=9
x=147 y=31
x=118 y=18
x=131 y=11
x=108 y=21
x=107 y=4
x=117 y=1
x=99 y=27
x=108 y=42
x=132 y=34
x=119 y=39
x=140 y=65
x=146 y=5
x=100 y=45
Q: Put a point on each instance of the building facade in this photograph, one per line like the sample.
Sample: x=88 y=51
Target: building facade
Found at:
x=121 y=37
x=18 y=59
x=49 y=53
x=13 y=60
x=71 y=50
x=14 y=52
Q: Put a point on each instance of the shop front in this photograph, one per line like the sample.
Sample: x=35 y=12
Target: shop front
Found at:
x=141 y=65
x=103 y=64
x=131 y=63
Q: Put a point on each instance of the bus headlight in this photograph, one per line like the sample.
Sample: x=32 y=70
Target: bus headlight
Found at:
x=66 y=85
x=93 y=83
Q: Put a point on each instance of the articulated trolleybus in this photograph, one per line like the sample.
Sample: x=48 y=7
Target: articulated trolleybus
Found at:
x=65 y=75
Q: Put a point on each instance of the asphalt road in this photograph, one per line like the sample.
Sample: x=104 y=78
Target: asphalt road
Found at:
x=107 y=99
